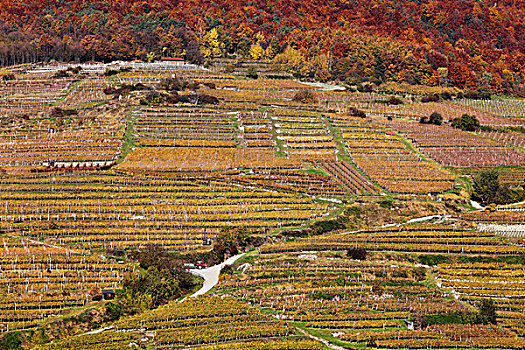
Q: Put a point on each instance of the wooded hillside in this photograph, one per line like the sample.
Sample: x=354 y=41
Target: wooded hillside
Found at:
x=462 y=43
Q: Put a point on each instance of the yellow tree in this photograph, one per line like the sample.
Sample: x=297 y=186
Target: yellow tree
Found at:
x=151 y=56
x=212 y=47
x=256 y=50
x=292 y=61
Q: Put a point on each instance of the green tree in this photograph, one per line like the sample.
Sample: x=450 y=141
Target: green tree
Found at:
x=486 y=186
x=252 y=73
x=487 y=312
x=11 y=341
x=435 y=118
x=466 y=123
x=419 y=273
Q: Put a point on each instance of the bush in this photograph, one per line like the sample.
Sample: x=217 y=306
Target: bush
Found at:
x=252 y=73
x=432 y=98
x=487 y=312
x=227 y=270
x=164 y=279
x=210 y=85
x=61 y=74
x=386 y=203
x=111 y=72
x=304 y=232
x=365 y=88
x=446 y=95
x=125 y=88
x=153 y=98
x=75 y=70
x=113 y=310
x=435 y=118
x=432 y=259
x=58 y=112
x=486 y=186
x=174 y=84
x=357 y=253
x=8 y=77
x=325 y=226
x=11 y=341
x=354 y=112
x=419 y=273
x=305 y=96
x=201 y=99
x=394 y=101
x=479 y=94
x=466 y=123
x=487 y=189
x=456 y=317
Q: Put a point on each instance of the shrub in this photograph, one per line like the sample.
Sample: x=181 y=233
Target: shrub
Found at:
x=486 y=186
x=435 y=118
x=466 y=123
x=8 y=77
x=446 y=95
x=357 y=112
x=230 y=68
x=61 y=74
x=58 y=112
x=201 y=99
x=432 y=259
x=174 y=84
x=305 y=96
x=357 y=253
x=432 y=98
x=479 y=94
x=487 y=312
x=11 y=341
x=252 y=73
x=386 y=203
x=419 y=273
x=394 y=101
x=325 y=226
x=227 y=270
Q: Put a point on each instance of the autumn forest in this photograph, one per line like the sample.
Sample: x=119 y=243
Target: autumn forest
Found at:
x=467 y=44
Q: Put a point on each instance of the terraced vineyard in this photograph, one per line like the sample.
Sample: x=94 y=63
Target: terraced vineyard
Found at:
x=106 y=211
x=382 y=155
x=42 y=280
x=424 y=239
x=105 y=168
x=206 y=322
x=374 y=303
x=350 y=177
x=452 y=147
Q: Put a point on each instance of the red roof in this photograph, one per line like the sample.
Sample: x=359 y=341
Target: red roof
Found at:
x=172 y=59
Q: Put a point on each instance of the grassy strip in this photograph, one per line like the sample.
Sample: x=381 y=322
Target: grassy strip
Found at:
x=130 y=140
x=326 y=335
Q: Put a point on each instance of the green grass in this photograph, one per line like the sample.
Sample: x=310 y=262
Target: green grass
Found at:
x=68 y=91
x=129 y=140
x=315 y=171
x=323 y=334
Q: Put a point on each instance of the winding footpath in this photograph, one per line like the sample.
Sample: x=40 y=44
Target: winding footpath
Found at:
x=211 y=275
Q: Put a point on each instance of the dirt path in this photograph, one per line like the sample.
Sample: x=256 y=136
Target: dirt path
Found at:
x=211 y=275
